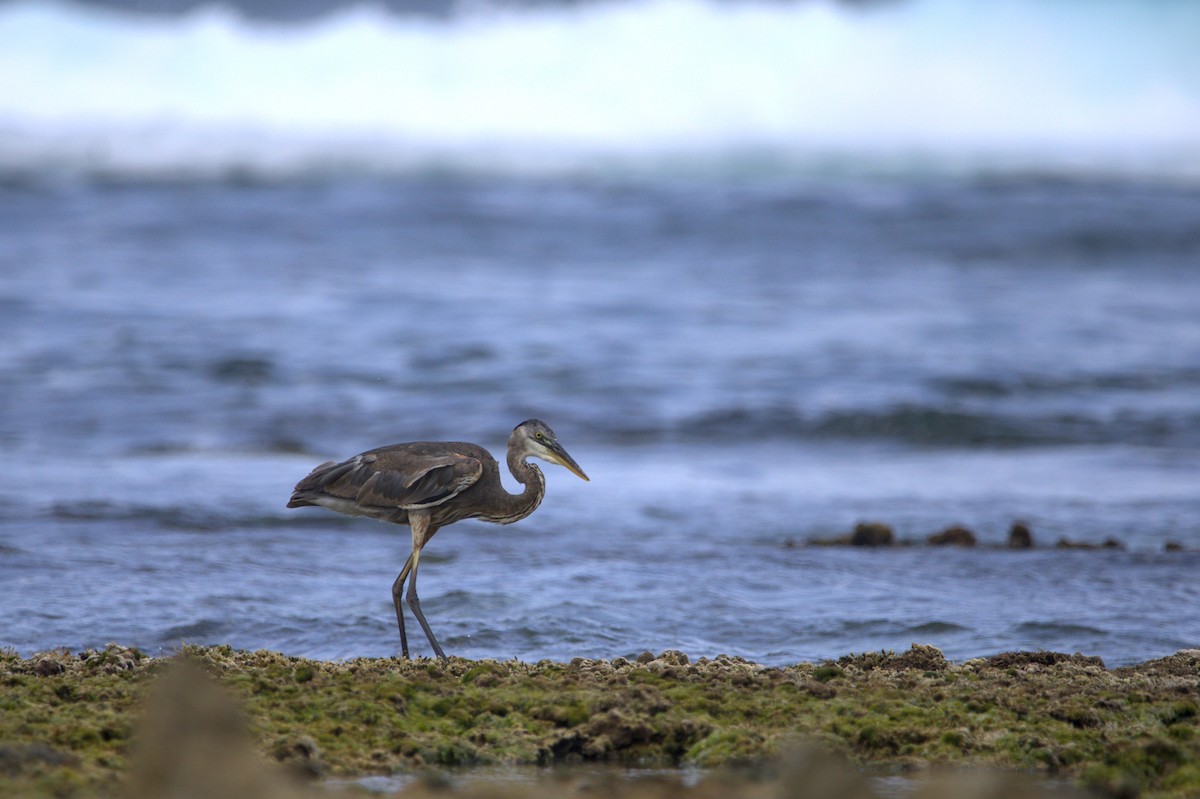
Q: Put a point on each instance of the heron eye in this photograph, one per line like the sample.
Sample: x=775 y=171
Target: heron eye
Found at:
x=538 y=435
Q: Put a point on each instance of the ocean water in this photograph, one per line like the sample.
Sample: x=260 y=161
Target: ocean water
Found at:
x=774 y=270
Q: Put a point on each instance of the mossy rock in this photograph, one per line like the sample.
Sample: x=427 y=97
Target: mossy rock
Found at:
x=68 y=722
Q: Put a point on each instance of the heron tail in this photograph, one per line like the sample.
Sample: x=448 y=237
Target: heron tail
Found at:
x=304 y=490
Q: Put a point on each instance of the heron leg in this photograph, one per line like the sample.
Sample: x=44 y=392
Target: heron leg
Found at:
x=414 y=602
x=397 y=600
x=421 y=532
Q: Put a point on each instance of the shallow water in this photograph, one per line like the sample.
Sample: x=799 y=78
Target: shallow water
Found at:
x=741 y=368
x=222 y=276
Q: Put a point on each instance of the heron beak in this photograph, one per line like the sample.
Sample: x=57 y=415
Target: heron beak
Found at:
x=556 y=454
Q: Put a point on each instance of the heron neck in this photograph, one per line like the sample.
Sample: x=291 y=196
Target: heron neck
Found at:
x=521 y=505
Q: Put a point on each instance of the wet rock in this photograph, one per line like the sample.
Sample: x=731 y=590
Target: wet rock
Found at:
x=872 y=534
x=1020 y=536
x=866 y=534
x=1172 y=546
x=952 y=537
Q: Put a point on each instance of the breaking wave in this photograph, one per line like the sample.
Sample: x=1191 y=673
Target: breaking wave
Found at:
x=661 y=84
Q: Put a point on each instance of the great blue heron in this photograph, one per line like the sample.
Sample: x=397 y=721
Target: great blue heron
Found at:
x=430 y=484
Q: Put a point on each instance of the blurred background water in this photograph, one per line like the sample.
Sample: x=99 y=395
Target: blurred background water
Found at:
x=769 y=269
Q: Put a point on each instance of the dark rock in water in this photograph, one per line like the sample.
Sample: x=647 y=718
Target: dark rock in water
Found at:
x=866 y=534
x=872 y=534
x=952 y=537
x=1020 y=536
x=1172 y=546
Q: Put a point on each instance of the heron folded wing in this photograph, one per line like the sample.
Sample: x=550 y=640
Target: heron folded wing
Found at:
x=418 y=482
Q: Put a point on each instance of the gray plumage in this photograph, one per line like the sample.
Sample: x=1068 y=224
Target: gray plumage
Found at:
x=430 y=484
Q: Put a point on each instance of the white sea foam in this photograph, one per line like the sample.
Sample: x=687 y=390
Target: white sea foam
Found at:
x=1029 y=83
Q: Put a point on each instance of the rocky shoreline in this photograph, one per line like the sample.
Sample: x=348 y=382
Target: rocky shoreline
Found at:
x=1020 y=536
x=82 y=725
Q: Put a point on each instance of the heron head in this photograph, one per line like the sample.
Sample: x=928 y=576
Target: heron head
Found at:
x=537 y=440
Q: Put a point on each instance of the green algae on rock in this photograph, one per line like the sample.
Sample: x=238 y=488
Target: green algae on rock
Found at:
x=68 y=720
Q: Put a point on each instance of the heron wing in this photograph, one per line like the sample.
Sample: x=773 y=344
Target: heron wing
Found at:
x=400 y=478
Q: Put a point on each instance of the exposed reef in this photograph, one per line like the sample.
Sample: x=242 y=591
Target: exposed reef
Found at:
x=70 y=724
